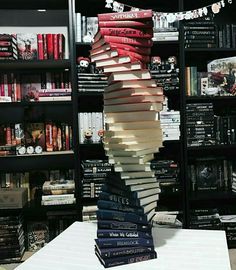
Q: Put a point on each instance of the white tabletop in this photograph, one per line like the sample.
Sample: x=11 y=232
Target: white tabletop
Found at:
x=177 y=249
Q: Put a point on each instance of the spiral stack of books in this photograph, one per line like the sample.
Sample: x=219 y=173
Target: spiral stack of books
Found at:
x=132 y=102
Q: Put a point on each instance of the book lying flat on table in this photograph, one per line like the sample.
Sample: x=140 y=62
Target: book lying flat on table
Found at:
x=113 y=61
x=123 y=67
x=135 y=146
x=131 y=116
x=132 y=153
x=137 y=125
x=131 y=140
x=131 y=160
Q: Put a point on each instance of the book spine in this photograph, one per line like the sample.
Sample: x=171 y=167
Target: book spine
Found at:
x=45 y=50
x=121 y=216
x=134 y=24
x=127 y=32
x=139 y=57
x=129 y=259
x=122 y=234
x=132 y=15
x=61 y=46
x=50 y=45
x=126 y=40
x=49 y=138
x=55 y=47
x=40 y=46
x=121 y=242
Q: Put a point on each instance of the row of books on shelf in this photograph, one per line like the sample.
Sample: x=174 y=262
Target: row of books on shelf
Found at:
x=31 y=46
x=205 y=33
x=46 y=86
x=35 y=138
x=43 y=187
x=218 y=80
x=204 y=127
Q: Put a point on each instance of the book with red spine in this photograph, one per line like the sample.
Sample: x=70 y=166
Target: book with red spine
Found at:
x=133 y=24
x=45 y=50
x=126 y=32
x=129 y=48
x=134 y=41
x=40 y=46
x=55 y=47
x=54 y=137
x=142 y=58
x=61 y=46
x=50 y=45
x=128 y=15
x=49 y=138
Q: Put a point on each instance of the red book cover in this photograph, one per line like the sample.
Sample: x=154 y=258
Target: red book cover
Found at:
x=50 y=45
x=133 y=24
x=127 y=32
x=8 y=37
x=61 y=46
x=8 y=135
x=55 y=47
x=67 y=137
x=140 y=42
x=49 y=139
x=54 y=137
x=7 y=54
x=45 y=50
x=9 y=85
x=40 y=46
x=2 y=92
x=6 y=43
x=127 y=47
x=128 y=15
x=59 y=138
x=142 y=58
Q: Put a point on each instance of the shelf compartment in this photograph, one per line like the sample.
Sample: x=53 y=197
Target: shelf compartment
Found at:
x=57 y=160
x=212 y=195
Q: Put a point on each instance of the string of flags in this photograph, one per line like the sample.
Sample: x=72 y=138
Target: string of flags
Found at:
x=172 y=16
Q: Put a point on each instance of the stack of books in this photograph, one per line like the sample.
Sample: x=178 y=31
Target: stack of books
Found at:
x=90 y=213
x=200 y=33
x=132 y=102
x=170 y=124
x=58 y=190
x=94 y=173
x=12 y=243
x=91 y=82
x=8 y=47
x=200 y=124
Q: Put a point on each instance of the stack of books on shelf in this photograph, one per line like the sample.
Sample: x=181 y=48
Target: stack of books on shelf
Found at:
x=12 y=243
x=94 y=82
x=90 y=213
x=211 y=174
x=132 y=102
x=170 y=124
x=165 y=72
x=200 y=124
x=228 y=223
x=8 y=47
x=200 y=33
x=91 y=126
x=164 y=30
x=206 y=219
x=167 y=219
x=166 y=173
x=94 y=173
x=59 y=188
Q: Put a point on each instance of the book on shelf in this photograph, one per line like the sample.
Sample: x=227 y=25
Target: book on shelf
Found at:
x=129 y=116
x=131 y=127
x=122 y=234
x=133 y=153
x=37 y=234
x=27 y=46
x=131 y=107
x=129 y=75
x=134 y=99
x=123 y=31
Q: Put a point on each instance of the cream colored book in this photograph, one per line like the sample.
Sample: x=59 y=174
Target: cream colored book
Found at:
x=104 y=55
x=131 y=160
x=131 y=153
x=123 y=67
x=134 y=99
x=133 y=125
x=135 y=147
x=142 y=74
x=131 y=116
x=128 y=107
x=134 y=133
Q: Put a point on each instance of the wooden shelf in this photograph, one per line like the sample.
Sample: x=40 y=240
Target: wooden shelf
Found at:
x=57 y=160
x=21 y=65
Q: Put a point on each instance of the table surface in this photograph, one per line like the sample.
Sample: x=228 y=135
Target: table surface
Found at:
x=177 y=249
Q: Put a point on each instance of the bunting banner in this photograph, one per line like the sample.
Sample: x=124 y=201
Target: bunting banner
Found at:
x=171 y=17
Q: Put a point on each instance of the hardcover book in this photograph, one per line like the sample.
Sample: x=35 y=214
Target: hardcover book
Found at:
x=27 y=46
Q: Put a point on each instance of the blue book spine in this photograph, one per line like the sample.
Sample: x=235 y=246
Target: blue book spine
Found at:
x=121 y=225
x=122 y=234
x=116 y=252
x=121 y=242
x=121 y=216
x=117 y=198
x=102 y=204
x=116 y=261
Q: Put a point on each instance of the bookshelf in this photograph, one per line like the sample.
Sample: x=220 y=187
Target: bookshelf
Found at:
x=63 y=16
